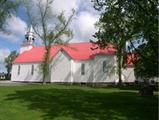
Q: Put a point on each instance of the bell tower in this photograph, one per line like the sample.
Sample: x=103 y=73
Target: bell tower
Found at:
x=29 y=40
x=30 y=35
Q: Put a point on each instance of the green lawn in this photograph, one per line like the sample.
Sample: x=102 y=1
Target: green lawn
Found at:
x=66 y=102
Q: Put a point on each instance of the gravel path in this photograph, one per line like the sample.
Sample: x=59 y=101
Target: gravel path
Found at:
x=10 y=83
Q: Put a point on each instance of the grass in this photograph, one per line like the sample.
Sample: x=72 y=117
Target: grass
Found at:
x=66 y=102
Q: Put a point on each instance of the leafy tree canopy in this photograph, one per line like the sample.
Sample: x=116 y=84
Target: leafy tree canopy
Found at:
x=123 y=21
x=9 y=60
x=7 y=7
x=50 y=27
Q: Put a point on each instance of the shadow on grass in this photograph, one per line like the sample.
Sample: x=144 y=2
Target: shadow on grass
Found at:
x=88 y=105
x=129 y=87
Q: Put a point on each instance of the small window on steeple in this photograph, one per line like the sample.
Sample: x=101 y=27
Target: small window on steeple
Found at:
x=26 y=38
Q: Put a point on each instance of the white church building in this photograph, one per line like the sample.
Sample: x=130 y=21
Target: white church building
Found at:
x=70 y=63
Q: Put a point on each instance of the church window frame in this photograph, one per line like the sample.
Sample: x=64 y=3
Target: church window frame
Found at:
x=32 y=70
x=104 y=66
x=18 y=69
x=82 y=69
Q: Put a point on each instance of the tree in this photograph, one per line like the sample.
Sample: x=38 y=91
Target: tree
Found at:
x=146 y=28
x=49 y=27
x=127 y=20
x=8 y=62
x=7 y=7
x=114 y=27
x=146 y=67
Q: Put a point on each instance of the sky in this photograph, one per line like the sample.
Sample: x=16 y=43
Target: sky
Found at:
x=82 y=25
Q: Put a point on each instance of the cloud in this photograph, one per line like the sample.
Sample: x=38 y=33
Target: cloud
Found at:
x=65 y=5
x=84 y=5
x=82 y=24
x=57 y=6
x=2 y=68
x=4 y=52
x=85 y=18
x=16 y=27
x=84 y=27
x=9 y=37
x=16 y=24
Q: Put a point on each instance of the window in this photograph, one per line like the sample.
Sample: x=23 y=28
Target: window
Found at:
x=82 y=69
x=104 y=66
x=32 y=69
x=19 y=70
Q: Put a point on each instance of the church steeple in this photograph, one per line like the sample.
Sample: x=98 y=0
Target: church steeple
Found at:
x=30 y=35
x=29 y=40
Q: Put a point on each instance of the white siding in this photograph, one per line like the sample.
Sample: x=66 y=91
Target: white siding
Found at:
x=65 y=69
x=99 y=74
x=25 y=72
x=60 y=69
x=77 y=76
x=94 y=70
x=128 y=75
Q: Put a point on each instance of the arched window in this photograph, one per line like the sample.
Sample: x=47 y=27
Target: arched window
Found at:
x=104 y=66
x=32 y=69
x=18 y=69
x=82 y=69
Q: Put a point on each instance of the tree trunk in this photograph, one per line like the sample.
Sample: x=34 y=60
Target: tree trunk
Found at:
x=46 y=63
x=44 y=82
x=119 y=61
x=45 y=71
x=8 y=74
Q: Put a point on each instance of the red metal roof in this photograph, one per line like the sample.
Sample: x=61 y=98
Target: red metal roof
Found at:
x=77 y=51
